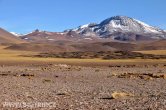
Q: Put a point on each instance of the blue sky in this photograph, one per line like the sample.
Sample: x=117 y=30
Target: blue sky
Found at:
x=23 y=16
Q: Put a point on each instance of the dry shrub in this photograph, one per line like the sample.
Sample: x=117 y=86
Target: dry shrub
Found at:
x=46 y=80
x=117 y=95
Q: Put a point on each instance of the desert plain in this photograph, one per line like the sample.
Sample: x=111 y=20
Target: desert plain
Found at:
x=81 y=84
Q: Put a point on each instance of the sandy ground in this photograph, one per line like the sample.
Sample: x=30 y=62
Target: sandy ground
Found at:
x=89 y=87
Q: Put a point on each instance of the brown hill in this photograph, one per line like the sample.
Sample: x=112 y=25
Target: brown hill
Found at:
x=69 y=46
x=6 y=37
x=47 y=37
x=155 y=45
x=41 y=47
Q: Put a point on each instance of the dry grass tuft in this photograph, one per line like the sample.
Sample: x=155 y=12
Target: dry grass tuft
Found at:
x=117 y=95
x=46 y=80
x=146 y=76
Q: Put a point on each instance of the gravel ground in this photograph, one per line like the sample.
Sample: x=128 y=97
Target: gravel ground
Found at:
x=84 y=88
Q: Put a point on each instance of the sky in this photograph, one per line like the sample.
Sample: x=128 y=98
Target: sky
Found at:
x=23 y=16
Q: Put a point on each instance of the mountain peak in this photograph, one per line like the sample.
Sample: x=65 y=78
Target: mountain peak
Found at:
x=37 y=30
x=119 y=24
x=120 y=18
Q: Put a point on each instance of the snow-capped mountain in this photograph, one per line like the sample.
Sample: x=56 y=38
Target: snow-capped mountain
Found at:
x=121 y=28
x=114 y=28
x=16 y=34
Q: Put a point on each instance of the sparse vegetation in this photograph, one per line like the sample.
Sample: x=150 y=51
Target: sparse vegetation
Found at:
x=20 y=57
x=97 y=70
x=106 y=55
x=61 y=94
x=146 y=76
x=27 y=75
x=46 y=80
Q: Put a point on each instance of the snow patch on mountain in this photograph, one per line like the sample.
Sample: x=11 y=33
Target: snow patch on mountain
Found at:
x=88 y=38
x=26 y=38
x=122 y=24
x=84 y=26
x=15 y=34
x=149 y=28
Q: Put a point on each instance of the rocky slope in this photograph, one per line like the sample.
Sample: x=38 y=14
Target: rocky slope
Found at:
x=6 y=37
x=121 y=28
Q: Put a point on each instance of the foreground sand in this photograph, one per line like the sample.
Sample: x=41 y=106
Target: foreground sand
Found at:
x=88 y=88
x=81 y=84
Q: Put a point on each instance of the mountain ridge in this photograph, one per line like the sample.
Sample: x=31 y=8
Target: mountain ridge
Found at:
x=121 y=28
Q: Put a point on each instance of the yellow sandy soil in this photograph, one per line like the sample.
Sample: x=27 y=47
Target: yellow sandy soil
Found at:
x=155 y=52
x=12 y=56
